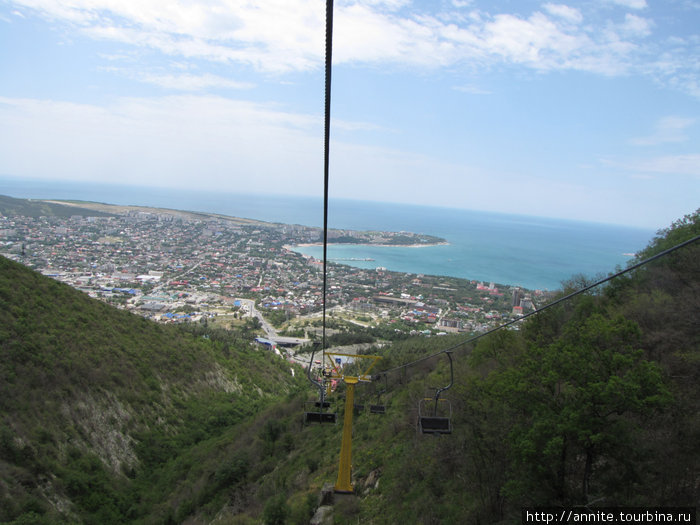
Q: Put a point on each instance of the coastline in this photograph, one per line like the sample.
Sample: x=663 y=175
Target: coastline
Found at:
x=121 y=209
x=424 y=245
x=536 y=253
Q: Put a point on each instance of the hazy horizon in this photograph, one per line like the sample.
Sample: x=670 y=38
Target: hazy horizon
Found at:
x=584 y=111
x=65 y=190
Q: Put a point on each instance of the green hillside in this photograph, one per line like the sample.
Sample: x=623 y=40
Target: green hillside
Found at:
x=100 y=407
x=109 y=418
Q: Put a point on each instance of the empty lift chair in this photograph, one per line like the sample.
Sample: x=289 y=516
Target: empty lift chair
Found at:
x=435 y=414
x=316 y=412
x=379 y=408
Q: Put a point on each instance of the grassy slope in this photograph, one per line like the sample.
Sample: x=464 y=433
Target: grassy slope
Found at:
x=96 y=402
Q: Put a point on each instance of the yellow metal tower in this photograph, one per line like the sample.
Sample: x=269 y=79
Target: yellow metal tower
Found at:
x=344 y=484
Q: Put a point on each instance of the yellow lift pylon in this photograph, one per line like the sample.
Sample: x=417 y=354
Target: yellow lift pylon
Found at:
x=344 y=484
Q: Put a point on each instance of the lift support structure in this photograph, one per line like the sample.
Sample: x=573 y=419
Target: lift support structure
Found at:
x=343 y=484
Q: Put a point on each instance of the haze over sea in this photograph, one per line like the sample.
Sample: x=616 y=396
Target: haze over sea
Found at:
x=532 y=252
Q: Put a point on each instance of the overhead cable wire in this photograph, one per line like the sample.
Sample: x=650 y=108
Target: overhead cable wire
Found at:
x=326 y=157
x=545 y=307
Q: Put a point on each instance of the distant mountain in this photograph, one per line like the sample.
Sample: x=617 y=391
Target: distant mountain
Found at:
x=10 y=206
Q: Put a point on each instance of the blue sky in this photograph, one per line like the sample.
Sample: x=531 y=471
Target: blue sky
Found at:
x=586 y=110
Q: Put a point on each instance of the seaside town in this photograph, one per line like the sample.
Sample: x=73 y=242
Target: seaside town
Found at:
x=173 y=266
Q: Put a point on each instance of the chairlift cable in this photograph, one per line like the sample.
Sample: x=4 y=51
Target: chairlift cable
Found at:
x=545 y=307
x=326 y=156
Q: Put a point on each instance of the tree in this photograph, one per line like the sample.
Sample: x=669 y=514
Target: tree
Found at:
x=680 y=231
x=578 y=401
x=276 y=510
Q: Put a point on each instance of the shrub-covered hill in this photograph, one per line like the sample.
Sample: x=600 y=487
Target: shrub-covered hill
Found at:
x=98 y=406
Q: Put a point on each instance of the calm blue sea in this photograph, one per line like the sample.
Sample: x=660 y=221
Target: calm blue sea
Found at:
x=532 y=252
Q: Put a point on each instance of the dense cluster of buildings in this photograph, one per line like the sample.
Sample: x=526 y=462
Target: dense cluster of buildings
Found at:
x=176 y=267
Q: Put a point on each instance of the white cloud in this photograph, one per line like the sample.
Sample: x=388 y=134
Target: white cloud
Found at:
x=672 y=164
x=668 y=129
x=392 y=5
x=190 y=82
x=570 y=14
x=282 y=36
x=275 y=35
x=631 y=4
x=347 y=125
x=537 y=41
x=176 y=140
x=553 y=40
x=182 y=141
x=636 y=26
x=684 y=165
x=472 y=90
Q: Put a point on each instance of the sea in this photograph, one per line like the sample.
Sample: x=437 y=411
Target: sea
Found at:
x=516 y=250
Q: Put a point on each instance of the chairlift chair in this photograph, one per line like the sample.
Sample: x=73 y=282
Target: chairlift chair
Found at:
x=315 y=412
x=437 y=419
x=379 y=408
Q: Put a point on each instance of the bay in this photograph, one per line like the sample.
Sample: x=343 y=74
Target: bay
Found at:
x=532 y=252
